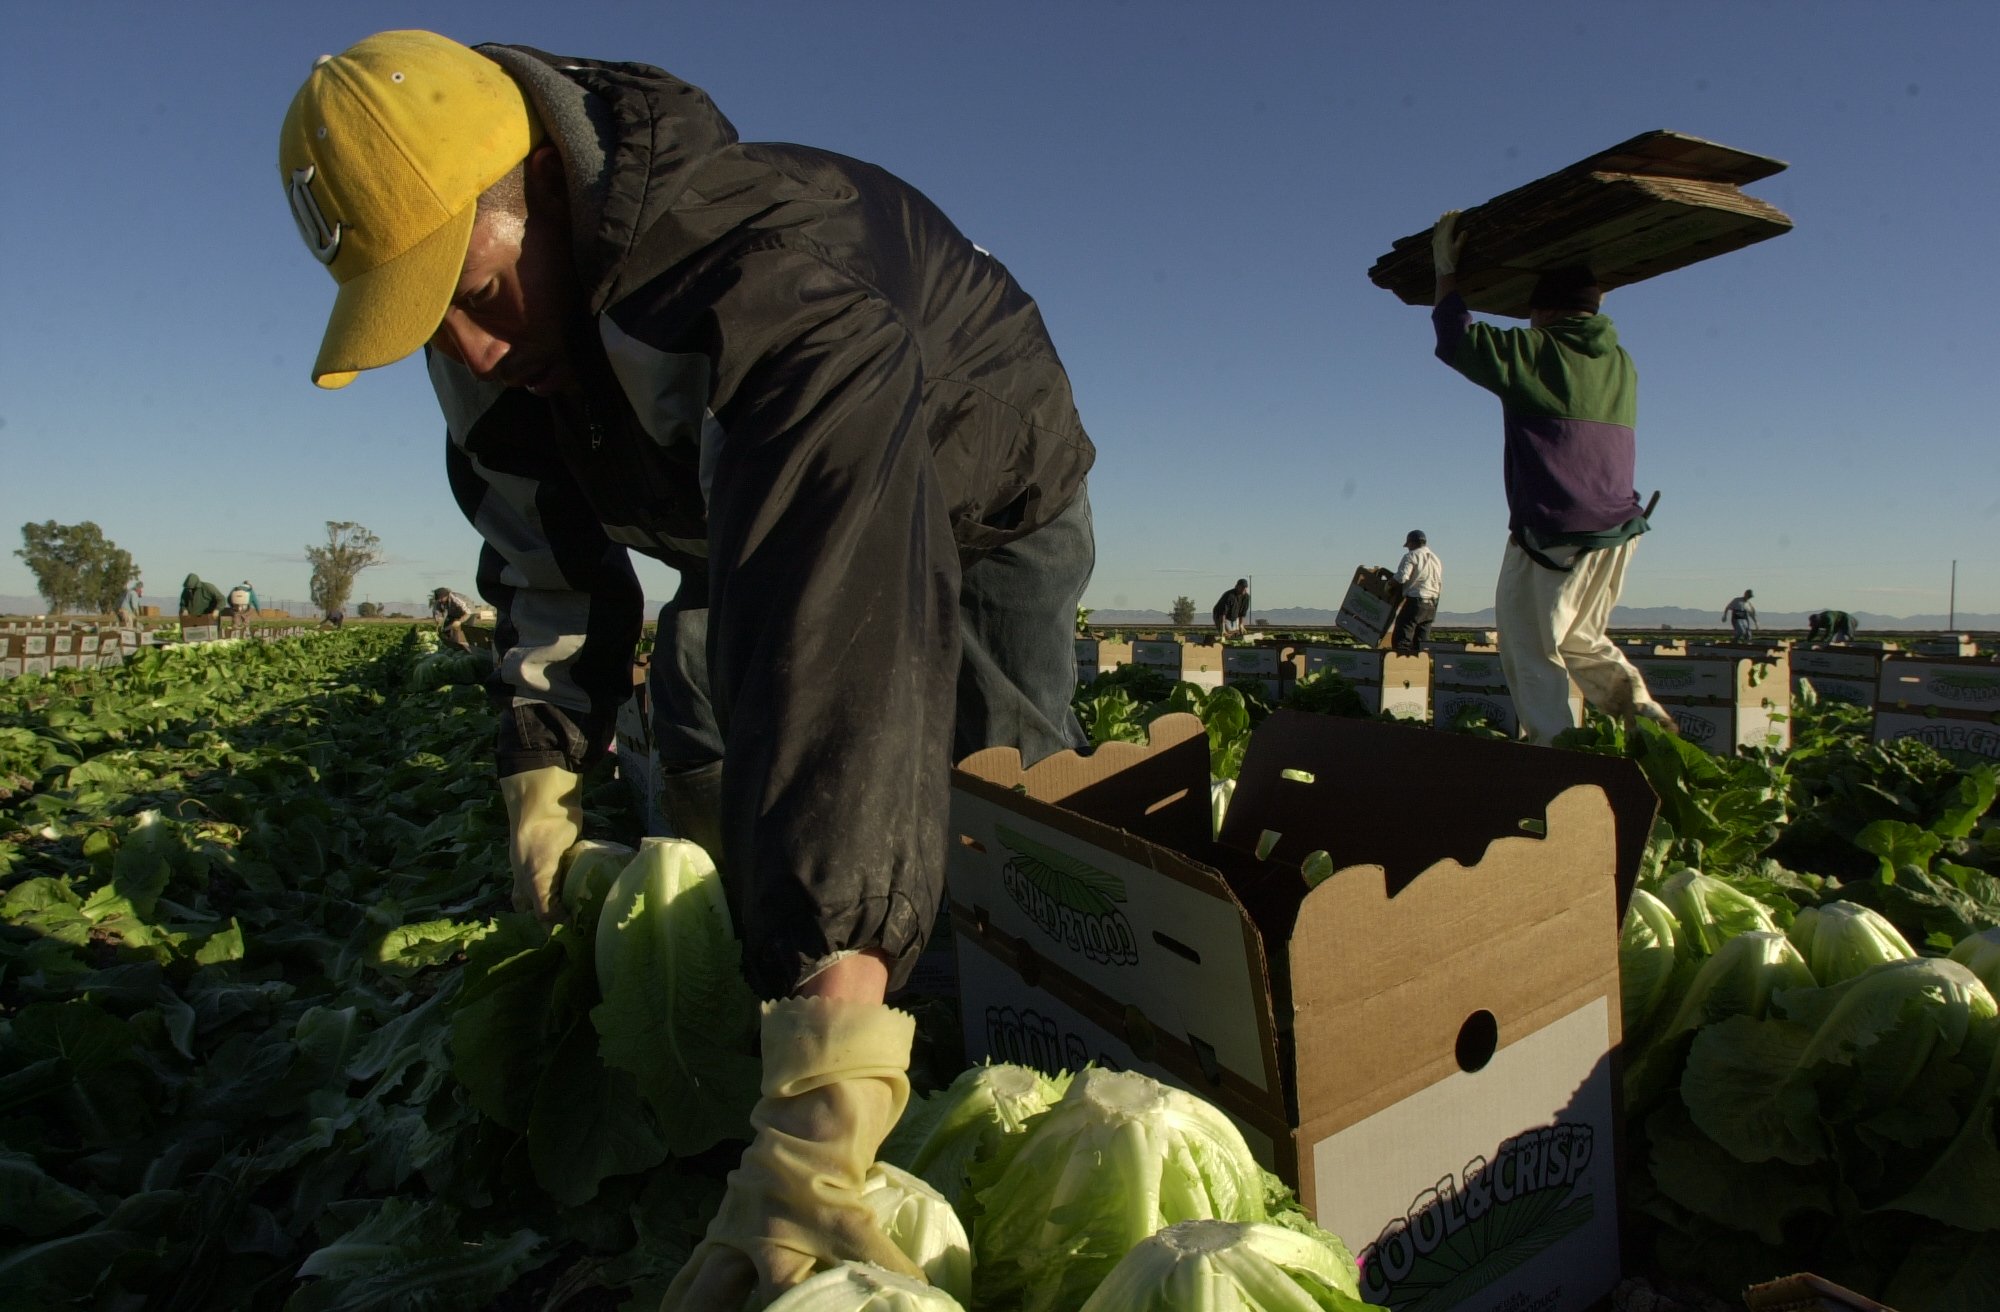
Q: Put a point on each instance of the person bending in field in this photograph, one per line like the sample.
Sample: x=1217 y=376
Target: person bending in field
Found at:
x=1568 y=399
x=199 y=597
x=1829 y=626
x=785 y=374
x=1232 y=610
x=451 y=611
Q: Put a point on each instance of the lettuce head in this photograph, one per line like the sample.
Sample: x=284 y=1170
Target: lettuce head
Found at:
x=1225 y=1266
x=1117 y=1160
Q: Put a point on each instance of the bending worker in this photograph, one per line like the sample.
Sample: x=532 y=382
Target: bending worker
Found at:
x=785 y=374
x=1829 y=626
x=1232 y=610
x=1568 y=398
x=451 y=611
x=1420 y=574
x=200 y=597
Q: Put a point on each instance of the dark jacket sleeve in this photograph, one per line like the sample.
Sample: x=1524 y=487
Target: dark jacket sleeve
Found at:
x=833 y=627
x=567 y=600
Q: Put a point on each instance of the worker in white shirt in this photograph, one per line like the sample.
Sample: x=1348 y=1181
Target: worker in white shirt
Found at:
x=1421 y=577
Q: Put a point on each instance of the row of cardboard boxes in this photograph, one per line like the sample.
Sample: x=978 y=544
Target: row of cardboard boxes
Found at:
x=1426 y=1043
x=93 y=648
x=1724 y=697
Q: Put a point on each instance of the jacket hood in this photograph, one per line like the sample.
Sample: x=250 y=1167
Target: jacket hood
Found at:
x=608 y=121
x=1586 y=334
x=191 y=582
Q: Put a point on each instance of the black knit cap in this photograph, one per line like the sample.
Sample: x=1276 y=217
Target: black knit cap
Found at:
x=1573 y=289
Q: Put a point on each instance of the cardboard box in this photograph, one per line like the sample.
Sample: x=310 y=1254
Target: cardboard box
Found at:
x=1966 y=685
x=1952 y=704
x=1854 y=692
x=1960 y=644
x=1401 y=685
x=1723 y=702
x=1368 y=611
x=1180 y=661
x=10 y=667
x=1271 y=670
x=1465 y=666
x=1431 y=1025
x=1095 y=656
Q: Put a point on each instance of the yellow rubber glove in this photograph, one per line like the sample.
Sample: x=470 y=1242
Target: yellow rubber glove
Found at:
x=1447 y=243
x=836 y=1079
x=544 y=816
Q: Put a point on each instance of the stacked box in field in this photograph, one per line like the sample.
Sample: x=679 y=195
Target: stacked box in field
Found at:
x=1469 y=681
x=201 y=628
x=1385 y=681
x=1952 y=703
x=1270 y=668
x=1367 y=1050
x=1368 y=611
x=1180 y=661
x=1839 y=673
x=1723 y=702
x=1095 y=656
x=1956 y=644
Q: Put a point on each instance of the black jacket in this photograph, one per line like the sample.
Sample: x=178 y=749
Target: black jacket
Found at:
x=1231 y=605
x=803 y=384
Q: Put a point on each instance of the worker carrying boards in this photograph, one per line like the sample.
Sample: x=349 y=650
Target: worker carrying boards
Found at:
x=1569 y=398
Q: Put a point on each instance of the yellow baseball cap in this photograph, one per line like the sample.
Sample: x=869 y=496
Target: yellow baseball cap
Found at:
x=384 y=153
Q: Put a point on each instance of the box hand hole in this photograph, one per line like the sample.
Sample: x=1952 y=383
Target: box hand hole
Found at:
x=1478 y=1039
x=1177 y=947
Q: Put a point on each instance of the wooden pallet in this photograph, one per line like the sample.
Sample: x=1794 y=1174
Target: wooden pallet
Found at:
x=1659 y=202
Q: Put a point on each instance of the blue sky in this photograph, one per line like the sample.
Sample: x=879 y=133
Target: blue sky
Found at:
x=1193 y=193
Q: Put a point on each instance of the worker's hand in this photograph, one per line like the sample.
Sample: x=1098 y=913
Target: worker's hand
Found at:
x=835 y=1082
x=544 y=816
x=1446 y=243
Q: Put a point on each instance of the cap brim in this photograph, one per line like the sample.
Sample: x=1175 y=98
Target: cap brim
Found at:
x=390 y=311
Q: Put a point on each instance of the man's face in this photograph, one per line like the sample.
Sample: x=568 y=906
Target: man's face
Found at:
x=516 y=295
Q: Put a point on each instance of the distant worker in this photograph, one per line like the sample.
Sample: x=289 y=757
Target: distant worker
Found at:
x=1569 y=398
x=336 y=617
x=131 y=604
x=1232 y=608
x=1742 y=616
x=242 y=604
x=1829 y=626
x=451 y=611
x=199 y=597
x=1421 y=576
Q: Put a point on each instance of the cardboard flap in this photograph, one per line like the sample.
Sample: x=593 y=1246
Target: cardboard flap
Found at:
x=1405 y=798
x=1498 y=946
x=1159 y=791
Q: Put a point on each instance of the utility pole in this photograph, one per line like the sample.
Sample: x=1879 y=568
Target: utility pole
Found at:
x=1952 y=623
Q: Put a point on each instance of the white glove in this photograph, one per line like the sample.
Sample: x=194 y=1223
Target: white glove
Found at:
x=1446 y=243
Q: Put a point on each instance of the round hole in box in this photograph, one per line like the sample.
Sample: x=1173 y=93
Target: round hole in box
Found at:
x=1477 y=1040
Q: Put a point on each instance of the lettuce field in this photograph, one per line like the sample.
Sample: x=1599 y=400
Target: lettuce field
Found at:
x=270 y=1037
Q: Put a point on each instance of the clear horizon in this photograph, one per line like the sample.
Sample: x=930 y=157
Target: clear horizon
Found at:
x=1192 y=198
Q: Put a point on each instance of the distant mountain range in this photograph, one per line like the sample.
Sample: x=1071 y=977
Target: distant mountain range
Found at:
x=1624 y=617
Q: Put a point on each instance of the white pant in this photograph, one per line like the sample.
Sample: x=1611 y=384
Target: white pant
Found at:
x=1552 y=631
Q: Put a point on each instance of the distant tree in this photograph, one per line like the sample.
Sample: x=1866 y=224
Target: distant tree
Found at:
x=349 y=549
x=369 y=610
x=1183 y=610
x=75 y=566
